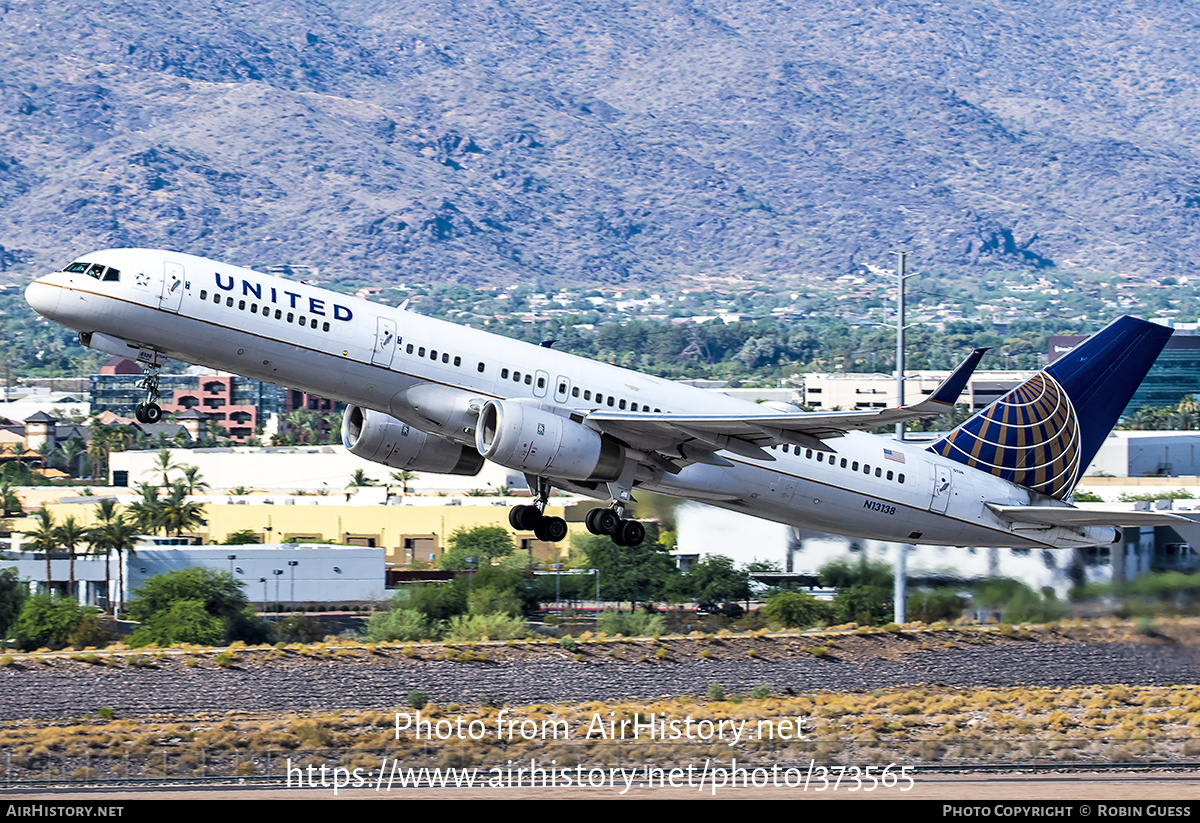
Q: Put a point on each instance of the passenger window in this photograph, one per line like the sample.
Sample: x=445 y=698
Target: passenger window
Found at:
x=216 y=297
x=457 y=361
x=587 y=395
x=241 y=305
x=541 y=382
x=254 y=308
x=854 y=466
x=433 y=354
x=599 y=397
x=621 y=405
x=808 y=453
x=445 y=357
x=291 y=318
x=325 y=326
x=900 y=478
x=575 y=392
x=820 y=457
x=516 y=377
x=479 y=368
x=278 y=314
x=878 y=472
x=529 y=380
x=890 y=474
x=421 y=352
x=203 y=294
x=503 y=373
x=610 y=400
x=229 y=302
x=843 y=462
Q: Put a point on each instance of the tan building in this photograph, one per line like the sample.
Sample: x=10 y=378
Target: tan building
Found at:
x=406 y=532
x=827 y=392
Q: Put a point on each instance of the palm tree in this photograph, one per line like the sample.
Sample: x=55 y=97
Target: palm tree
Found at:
x=146 y=514
x=404 y=477
x=163 y=463
x=71 y=451
x=113 y=533
x=359 y=479
x=43 y=538
x=178 y=514
x=192 y=481
x=68 y=535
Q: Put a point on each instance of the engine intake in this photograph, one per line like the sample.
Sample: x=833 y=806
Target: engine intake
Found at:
x=381 y=438
x=539 y=442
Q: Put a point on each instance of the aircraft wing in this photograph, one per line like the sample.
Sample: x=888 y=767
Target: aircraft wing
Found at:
x=1073 y=518
x=746 y=434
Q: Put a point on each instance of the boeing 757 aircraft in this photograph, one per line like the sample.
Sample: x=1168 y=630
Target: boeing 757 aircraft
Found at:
x=432 y=396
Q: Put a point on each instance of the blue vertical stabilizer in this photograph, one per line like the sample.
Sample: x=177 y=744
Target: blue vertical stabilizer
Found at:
x=1045 y=432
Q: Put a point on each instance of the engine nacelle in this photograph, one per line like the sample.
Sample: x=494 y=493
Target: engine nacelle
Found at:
x=539 y=442
x=382 y=438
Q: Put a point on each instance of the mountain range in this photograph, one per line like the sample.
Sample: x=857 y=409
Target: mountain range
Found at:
x=686 y=142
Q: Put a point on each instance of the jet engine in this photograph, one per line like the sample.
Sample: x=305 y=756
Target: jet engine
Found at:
x=539 y=442
x=382 y=438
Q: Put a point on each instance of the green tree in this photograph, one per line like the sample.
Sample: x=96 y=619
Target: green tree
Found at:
x=715 y=579
x=219 y=594
x=864 y=590
x=13 y=594
x=633 y=573
x=797 y=610
x=48 y=620
x=484 y=543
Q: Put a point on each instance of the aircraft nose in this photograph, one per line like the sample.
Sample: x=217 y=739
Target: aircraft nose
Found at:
x=42 y=298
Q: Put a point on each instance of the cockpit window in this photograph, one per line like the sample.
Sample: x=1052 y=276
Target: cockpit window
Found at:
x=96 y=270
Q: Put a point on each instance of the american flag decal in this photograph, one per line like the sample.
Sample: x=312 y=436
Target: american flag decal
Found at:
x=893 y=455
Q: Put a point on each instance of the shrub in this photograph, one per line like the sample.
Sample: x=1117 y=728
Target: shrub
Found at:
x=716 y=691
x=486 y=626
x=630 y=624
x=418 y=699
x=48 y=620
x=401 y=624
x=796 y=610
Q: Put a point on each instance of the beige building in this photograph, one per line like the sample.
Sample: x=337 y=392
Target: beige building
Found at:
x=418 y=531
x=827 y=392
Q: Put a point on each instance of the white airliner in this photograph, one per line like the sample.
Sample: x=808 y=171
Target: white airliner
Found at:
x=432 y=396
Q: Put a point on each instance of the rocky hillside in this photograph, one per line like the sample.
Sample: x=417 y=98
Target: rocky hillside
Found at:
x=506 y=140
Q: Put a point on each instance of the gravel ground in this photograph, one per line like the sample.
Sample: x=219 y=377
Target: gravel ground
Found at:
x=66 y=688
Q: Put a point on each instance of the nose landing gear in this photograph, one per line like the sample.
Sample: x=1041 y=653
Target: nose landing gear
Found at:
x=150 y=411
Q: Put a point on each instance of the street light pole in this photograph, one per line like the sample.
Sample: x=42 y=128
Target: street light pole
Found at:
x=292 y=602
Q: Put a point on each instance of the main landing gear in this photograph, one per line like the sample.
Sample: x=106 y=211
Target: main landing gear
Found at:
x=609 y=521
x=149 y=412
x=533 y=518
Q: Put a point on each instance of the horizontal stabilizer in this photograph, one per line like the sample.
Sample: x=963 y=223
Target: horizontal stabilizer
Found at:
x=1073 y=518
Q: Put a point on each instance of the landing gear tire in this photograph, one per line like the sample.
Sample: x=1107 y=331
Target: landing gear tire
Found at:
x=524 y=518
x=602 y=521
x=551 y=529
x=148 y=413
x=632 y=533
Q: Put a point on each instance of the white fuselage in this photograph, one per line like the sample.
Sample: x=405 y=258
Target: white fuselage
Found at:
x=434 y=375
